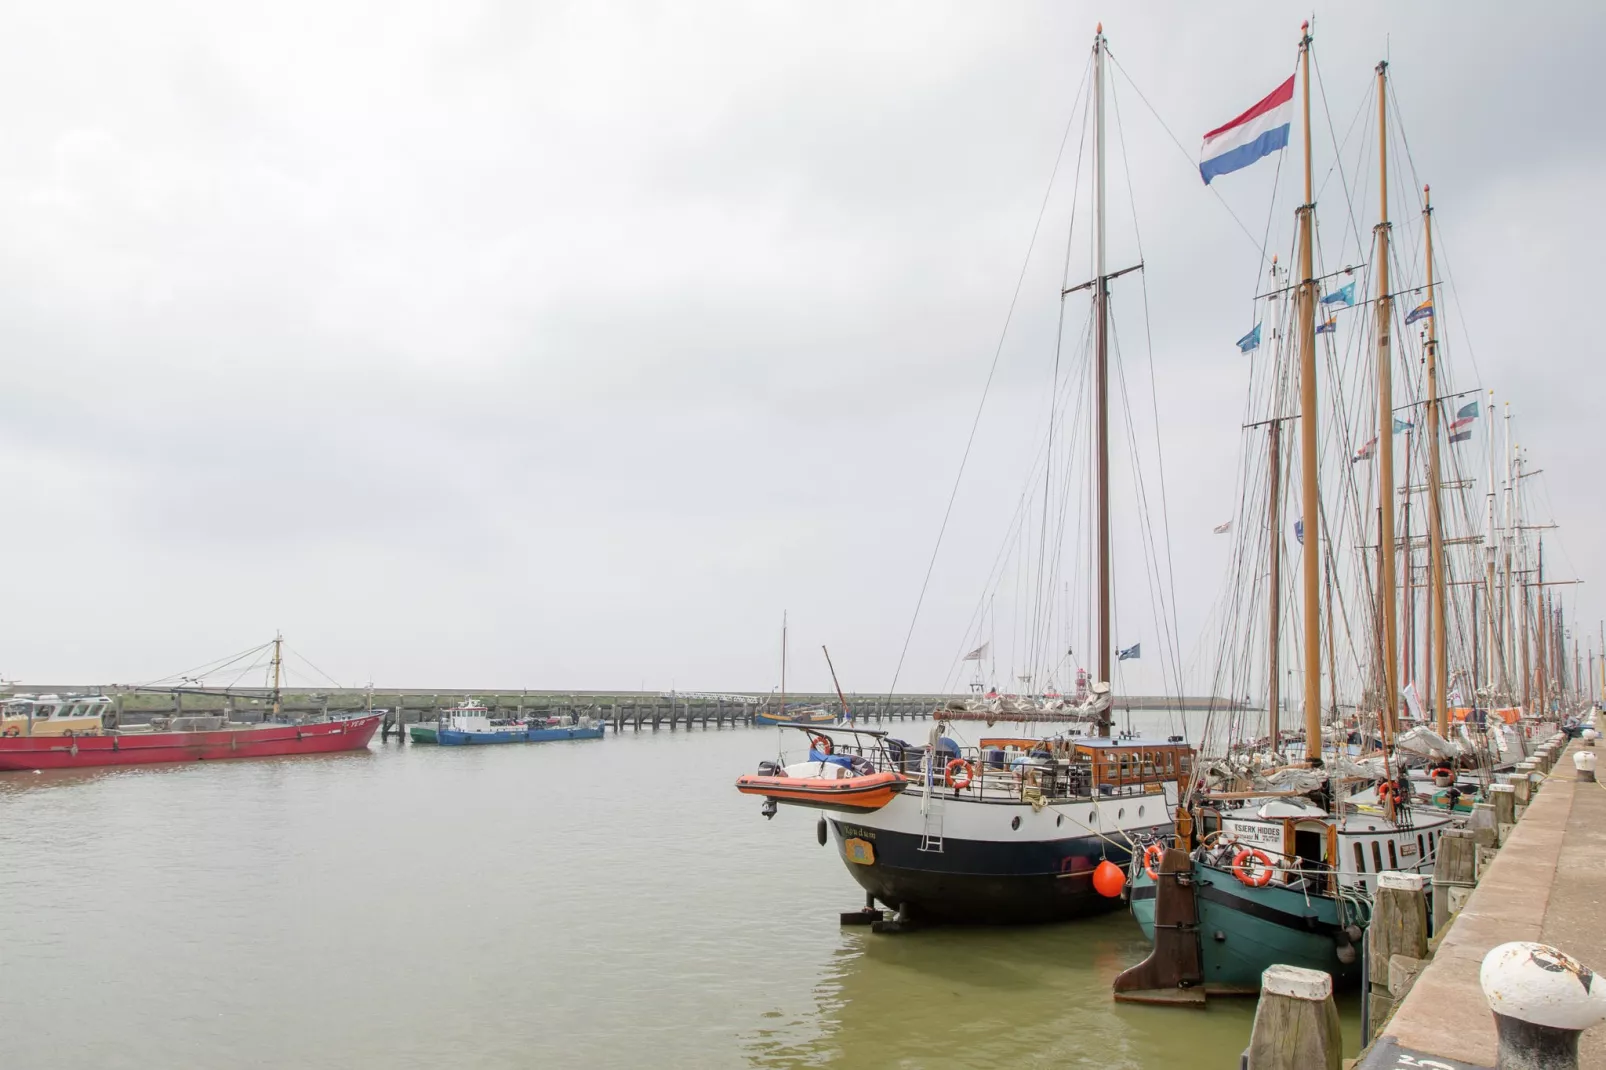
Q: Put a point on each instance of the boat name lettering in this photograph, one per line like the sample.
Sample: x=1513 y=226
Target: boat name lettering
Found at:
x=1246 y=833
x=854 y=832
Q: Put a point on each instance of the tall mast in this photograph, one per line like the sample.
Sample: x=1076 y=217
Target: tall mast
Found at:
x=1508 y=541
x=1311 y=555
x=1101 y=293
x=1274 y=696
x=1491 y=633
x=1541 y=643
x=278 y=664
x=1385 y=418
x=782 y=710
x=1410 y=566
x=1435 y=521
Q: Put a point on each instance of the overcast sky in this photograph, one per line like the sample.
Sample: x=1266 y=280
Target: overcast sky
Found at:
x=509 y=344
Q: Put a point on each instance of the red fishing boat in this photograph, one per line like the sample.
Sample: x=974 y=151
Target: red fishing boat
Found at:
x=120 y=747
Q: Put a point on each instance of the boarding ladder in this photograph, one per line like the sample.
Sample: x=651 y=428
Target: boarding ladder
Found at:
x=931 y=808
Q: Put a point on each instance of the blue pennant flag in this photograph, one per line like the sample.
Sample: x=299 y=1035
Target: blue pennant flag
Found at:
x=1468 y=411
x=1299 y=531
x=1133 y=651
x=1250 y=341
x=1402 y=425
x=1461 y=436
x=1327 y=328
x=1420 y=312
x=1344 y=295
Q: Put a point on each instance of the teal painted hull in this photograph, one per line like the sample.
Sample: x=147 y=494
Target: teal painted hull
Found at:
x=1243 y=930
x=423 y=733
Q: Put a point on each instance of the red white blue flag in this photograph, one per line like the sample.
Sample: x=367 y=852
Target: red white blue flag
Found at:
x=1260 y=131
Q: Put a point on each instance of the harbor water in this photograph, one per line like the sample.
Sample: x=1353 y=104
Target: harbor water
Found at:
x=612 y=903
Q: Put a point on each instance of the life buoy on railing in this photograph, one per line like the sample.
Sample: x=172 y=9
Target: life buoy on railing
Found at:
x=1260 y=859
x=1151 y=860
x=821 y=743
x=1442 y=770
x=1387 y=790
x=13 y=730
x=958 y=774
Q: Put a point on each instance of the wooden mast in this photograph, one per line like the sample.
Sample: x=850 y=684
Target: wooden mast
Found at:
x=1496 y=661
x=1435 y=520
x=1311 y=554
x=1274 y=695
x=1101 y=293
x=1385 y=419
x=782 y=710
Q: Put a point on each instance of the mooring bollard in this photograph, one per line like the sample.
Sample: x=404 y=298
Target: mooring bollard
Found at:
x=1584 y=765
x=1589 y=735
x=1399 y=927
x=1543 y=999
x=1296 y=1023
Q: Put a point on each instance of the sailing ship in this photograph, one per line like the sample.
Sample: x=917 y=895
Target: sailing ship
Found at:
x=1010 y=829
x=45 y=733
x=1287 y=876
x=797 y=713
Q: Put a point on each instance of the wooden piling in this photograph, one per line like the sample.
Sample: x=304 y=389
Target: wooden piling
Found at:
x=1503 y=797
x=1399 y=927
x=1296 y=1022
x=1454 y=873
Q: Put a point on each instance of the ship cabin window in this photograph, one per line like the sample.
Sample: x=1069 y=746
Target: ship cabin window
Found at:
x=1421 y=849
x=1360 y=859
x=1377 y=857
x=1394 y=861
x=44 y=711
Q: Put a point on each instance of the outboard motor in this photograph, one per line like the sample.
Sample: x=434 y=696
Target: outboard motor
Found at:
x=771 y=769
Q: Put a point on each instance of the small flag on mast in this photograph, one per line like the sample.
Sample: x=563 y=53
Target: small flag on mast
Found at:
x=1299 y=531
x=1402 y=425
x=1132 y=652
x=1260 y=131
x=1222 y=529
x=1420 y=312
x=1468 y=411
x=979 y=653
x=1329 y=327
x=1365 y=452
x=1250 y=341
x=1344 y=295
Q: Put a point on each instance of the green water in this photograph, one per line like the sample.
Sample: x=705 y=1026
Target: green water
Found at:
x=589 y=904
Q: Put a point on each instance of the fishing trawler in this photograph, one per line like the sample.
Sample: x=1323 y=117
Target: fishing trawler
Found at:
x=471 y=724
x=47 y=732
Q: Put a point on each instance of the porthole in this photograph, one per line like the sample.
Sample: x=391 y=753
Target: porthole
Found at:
x=1093 y=814
x=1015 y=824
x=1120 y=814
x=1059 y=820
x=1140 y=811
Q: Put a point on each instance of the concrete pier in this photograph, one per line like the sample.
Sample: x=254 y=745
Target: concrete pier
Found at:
x=1547 y=884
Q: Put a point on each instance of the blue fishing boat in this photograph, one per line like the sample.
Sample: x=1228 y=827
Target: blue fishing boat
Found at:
x=471 y=724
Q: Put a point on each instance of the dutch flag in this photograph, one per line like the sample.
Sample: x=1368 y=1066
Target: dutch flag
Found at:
x=1260 y=131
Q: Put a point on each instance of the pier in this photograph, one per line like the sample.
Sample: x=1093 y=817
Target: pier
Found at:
x=1524 y=891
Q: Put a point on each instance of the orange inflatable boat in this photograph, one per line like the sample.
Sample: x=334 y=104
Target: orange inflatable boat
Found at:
x=855 y=793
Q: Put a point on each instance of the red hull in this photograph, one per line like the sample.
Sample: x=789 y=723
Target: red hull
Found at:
x=80 y=752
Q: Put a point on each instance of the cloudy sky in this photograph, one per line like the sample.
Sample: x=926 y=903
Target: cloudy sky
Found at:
x=567 y=345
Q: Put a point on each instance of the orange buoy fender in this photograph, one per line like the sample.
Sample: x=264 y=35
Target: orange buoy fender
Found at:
x=958 y=774
x=1151 y=860
x=1260 y=860
x=1108 y=879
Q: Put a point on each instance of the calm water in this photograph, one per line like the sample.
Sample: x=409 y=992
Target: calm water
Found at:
x=593 y=904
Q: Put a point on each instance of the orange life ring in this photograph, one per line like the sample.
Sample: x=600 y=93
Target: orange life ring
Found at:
x=821 y=744
x=1442 y=770
x=1151 y=860
x=1261 y=859
x=965 y=770
x=1387 y=790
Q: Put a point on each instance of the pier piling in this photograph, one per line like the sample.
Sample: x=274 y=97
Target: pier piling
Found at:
x=1296 y=1023
x=1399 y=928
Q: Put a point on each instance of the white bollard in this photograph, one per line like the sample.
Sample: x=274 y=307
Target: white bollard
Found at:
x=1589 y=735
x=1543 y=999
x=1584 y=763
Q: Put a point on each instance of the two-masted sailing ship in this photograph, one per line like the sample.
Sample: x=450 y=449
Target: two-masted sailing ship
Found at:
x=1012 y=828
